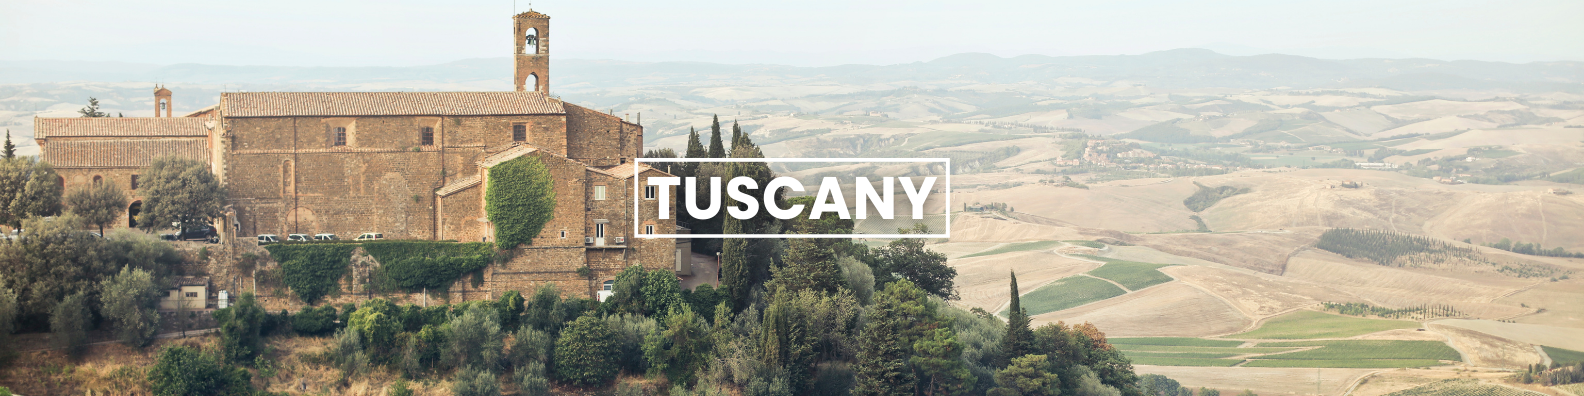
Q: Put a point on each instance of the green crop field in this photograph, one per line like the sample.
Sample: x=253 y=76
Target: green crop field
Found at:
x=1016 y=247
x=1175 y=341
x=1160 y=361
x=1090 y=244
x=1310 y=324
x=1068 y=292
x=1181 y=355
x=1133 y=275
x=1462 y=387
x=1365 y=350
x=1198 y=349
x=1563 y=356
x=1364 y=363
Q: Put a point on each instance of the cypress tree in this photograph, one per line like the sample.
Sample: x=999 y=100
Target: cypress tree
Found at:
x=737 y=135
x=734 y=264
x=694 y=150
x=1018 y=337
x=10 y=149
x=716 y=148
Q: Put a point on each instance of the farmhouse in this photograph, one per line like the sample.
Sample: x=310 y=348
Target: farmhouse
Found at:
x=409 y=165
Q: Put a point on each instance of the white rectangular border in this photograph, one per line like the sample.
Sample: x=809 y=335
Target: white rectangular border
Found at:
x=637 y=188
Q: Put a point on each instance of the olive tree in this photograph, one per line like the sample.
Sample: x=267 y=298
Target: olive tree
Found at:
x=130 y=301
x=181 y=191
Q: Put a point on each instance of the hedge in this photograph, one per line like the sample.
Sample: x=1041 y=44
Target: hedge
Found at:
x=311 y=271
x=417 y=265
x=519 y=201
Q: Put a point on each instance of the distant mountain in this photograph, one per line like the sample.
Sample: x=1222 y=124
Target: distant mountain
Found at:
x=1181 y=68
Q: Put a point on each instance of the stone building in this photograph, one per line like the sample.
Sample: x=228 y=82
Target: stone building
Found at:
x=409 y=165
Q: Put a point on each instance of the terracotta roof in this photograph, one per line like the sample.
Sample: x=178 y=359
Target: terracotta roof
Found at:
x=625 y=171
x=282 y=104
x=534 y=14
x=192 y=281
x=506 y=155
x=204 y=111
x=135 y=153
x=119 y=126
x=458 y=185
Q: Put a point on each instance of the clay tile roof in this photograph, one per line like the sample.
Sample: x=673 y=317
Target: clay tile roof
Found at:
x=204 y=111
x=458 y=185
x=119 y=126
x=534 y=14
x=506 y=155
x=192 y=281
x=120 y=153
x=282 y=104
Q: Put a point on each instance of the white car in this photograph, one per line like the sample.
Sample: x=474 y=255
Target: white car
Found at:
x=297 y=237
x=371 y=236
x=325 y=237
x=268 y=238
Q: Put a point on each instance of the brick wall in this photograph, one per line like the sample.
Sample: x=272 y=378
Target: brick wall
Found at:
x=600 y=139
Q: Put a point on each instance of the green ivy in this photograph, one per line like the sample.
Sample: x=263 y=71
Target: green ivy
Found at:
x=519 y=201
x=311 y=271
x=416 y=265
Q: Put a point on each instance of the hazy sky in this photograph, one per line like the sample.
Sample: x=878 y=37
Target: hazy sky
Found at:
x=806 y=33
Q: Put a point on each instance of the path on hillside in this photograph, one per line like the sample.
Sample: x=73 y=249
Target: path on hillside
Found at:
x=48 y=346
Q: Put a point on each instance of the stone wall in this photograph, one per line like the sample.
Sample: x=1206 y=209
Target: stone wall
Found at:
x=600 y=139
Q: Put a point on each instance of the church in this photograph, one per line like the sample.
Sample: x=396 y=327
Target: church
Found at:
x=408 y=165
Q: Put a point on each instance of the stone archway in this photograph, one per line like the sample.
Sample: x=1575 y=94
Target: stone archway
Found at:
x=132 y=213
x=303 y=221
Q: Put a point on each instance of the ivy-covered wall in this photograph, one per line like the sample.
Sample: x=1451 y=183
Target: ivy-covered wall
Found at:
x=312 y=270
x=418 y=265
x=519 y=200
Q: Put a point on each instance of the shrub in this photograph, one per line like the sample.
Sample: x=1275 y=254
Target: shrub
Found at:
x=240 y=329
x=583 y=354
x=399 y=388
x=377 y=322
x=69 y=322
x=349 y=355
x=130 y=300
x=183 y=371
x=529 y=346
x=473 y=382
x=475 y=339
x=631 y=330
x=311 y=271
x=315 y=321
x=531 y=380
x=519 y=201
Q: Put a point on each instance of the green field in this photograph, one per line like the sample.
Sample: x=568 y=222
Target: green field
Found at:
x=1365 y=350
x=1068 y=292
x=1155 y=361
x=1219 y=355
x=1563 y=356
x=1089 y=244
x=1132 y=275
x=1174 y=341
x=1197 y=349
x=1365 y=363
x=1310 y=324
x=1017 y=247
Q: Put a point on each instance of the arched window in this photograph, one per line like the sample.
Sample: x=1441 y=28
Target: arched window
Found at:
x=132 y=213
x=531 y=41
x=60 y=181
x=533 y=81
x=97 y=180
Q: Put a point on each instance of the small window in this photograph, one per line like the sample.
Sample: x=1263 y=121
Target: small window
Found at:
x=563 y=234
x=599 y=230
x=428 y=136
x=519 y=133
x=650 y=191
x=608 y=285
x=599 y=193
x=97 y=180
x=134 y=182
x=340 y=136
x=649 y=229
x=192 y=294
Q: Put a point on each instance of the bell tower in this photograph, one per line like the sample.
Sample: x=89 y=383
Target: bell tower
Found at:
x=162 y=101
x=533 y=51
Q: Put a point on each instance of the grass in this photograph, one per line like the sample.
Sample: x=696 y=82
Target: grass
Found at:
x=1497 y=153
x=1563 y=356
x=1016 y=247
x=1132 y=275
x=1174 y=341
x=1195 y=349
x=1366 y=350
x=1195 y=362
x=1414 y=152
x=1365 y=363
x=1088 y=244
x=1068 y=292
x=1310 y=324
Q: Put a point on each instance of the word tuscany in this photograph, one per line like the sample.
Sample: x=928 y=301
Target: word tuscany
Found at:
x=828 y=200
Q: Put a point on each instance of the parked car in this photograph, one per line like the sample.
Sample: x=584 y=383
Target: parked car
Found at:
x=267 y=238
x=371 y=236
x=297 y=237
x=325 y=237
x=199 y=232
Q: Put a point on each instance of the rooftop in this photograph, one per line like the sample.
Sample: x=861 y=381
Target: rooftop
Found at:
x=120 y=153
x=119 y=127
x=287 y=104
